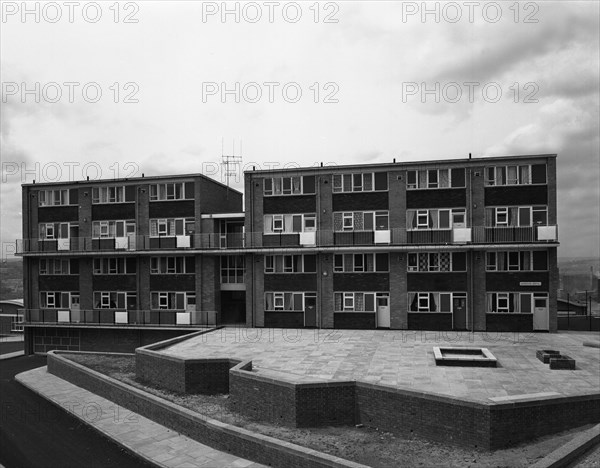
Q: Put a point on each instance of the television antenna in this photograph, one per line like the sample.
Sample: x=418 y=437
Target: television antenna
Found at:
x=230 y=162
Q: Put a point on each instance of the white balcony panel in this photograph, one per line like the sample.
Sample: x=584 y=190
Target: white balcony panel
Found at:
x=64 y=316
x=121 y=317
x=121 y=242
x=183 y=241
x=308 y=238
x=64 y=244
x=547 y=233
x=182 y=318
x=461 y=235
x=383 y=237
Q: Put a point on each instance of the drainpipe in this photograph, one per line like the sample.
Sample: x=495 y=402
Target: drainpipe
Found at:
x=471 y=308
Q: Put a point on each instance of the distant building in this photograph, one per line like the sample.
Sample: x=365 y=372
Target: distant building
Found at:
x=465 y=244
x=11 y=316
x=571 y=307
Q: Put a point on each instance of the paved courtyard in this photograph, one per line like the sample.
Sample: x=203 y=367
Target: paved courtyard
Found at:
x=404 y=359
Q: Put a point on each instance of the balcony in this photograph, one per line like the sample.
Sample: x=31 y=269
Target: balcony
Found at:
x=108 y=317
x=322 y=238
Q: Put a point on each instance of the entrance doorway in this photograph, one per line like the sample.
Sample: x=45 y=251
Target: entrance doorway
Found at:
x=233 y=307
x=540 y=313
x=383 y=312
x=310 y=311
x=459 y=313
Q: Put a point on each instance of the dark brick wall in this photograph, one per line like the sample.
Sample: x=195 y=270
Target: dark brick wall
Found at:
x=436 y=282
x=436 y=198
x=509 y=281
x=292 y=404
x=290 y=282
x=49 y=214
x=509 y=322
x=47 y=339
x=284 y=319
x=173 y=282
x=172 y=209
x=429 y=321
x=44 y=339
x=277 y=240
x=360 y=201
x=516 y=195
x=440 y=419
x=113 y=211
x=206 y=376
x=114 y=283
x=290 y=204
x=59 y=282
x=361 y=282
x=354 y=320
x=226 y=438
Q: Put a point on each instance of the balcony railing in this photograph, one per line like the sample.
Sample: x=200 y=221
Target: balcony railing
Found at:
x=153 y=318
x=321 y=238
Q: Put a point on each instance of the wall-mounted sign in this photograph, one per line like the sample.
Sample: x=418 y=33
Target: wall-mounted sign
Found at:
x=530 y=283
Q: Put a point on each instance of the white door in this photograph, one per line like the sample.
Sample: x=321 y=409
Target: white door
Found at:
x=540 y=313
x=383 y=312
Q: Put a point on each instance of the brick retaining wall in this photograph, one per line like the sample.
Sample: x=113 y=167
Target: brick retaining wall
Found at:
x=227 y=438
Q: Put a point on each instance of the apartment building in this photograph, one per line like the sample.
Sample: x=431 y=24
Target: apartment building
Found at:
x=468 y=244
x=115 y=264
x=464 y=244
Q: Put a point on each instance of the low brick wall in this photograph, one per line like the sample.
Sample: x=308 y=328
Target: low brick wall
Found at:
x=240 y=442
x=434 y=417
x=207 y=376
x=296 y=404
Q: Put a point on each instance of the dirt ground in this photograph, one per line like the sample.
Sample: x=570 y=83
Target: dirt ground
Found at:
x=369 y=446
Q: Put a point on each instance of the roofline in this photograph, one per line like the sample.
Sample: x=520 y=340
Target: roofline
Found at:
x=401 y=163
x=148 y=179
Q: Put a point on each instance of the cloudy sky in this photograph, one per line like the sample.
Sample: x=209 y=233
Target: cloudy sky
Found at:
x=105 y=89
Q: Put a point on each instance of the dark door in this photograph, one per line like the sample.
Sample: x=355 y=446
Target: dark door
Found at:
x=459 y=307
x=310 y=311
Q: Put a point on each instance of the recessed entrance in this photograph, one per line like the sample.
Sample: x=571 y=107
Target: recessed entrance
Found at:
x=233 y=307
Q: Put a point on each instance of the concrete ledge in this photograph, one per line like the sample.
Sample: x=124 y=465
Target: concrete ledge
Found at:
x=569 y=452
x=592 y=344
x=219 y=435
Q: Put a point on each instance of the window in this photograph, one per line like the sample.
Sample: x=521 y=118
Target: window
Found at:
x=357 y=301
x=512 y=302
x=290 y=264
x=58 y=299
x=522 y=174
x=51 y=231
x=289 y=223
x=435 y=178
x=360 y=263
x=232 y=269
x=361 y=221
x=17 y=323
x=435 y=219
x=168 y=191
x=287 y=301
x=517 y=261
x=110 y=194
x=516 y=216
x=171 y=227
x=56 y=266
x=114 y=266
x=54 y=197
x=115 y=300
x=434 y=301
x=360 y=182
x=109 y=229
x=293 y=185
x=172 y=265
x=172 y=300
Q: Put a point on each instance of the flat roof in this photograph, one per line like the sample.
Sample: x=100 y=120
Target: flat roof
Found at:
x=472 y=161
x=131 y=180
